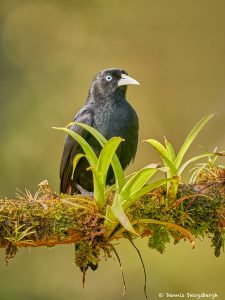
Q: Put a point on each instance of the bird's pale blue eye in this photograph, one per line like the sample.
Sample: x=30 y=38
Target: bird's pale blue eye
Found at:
x=108 y=77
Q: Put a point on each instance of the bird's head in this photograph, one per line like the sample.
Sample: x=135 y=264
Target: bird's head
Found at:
x=111 y=81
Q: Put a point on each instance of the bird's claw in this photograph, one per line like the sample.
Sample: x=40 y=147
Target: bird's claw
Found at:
x=84 y=191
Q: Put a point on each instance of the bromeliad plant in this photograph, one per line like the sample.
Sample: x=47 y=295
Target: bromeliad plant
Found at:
x=173 y=163
x=161 y=219
x=209 y=168
x=98 y=165
x=126 y=192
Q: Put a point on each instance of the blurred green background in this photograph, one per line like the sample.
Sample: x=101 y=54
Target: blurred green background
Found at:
x=49 y=54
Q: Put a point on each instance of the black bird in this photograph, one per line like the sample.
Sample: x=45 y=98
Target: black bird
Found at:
x=108 y=111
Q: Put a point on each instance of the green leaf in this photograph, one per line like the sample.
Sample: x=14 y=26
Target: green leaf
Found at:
x=196 y=172
x=164 y=155
x=115 y=214
x=119 y=214
x=117 y=168
x=147 y=189
x=104 y=160
x=99 y=187
x=173 y=226
x=158 y=146
x=107 y=154
x=170 y=150
x=75 y=162
x=191 y=160
x=99 y=166
x=110 y=220
x=90 y=154
x=190 y=138
x=134 y=184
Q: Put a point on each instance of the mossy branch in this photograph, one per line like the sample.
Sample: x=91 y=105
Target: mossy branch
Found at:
x=48 y=219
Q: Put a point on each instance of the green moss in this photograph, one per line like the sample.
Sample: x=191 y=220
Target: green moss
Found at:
x=86 y=255
x=200 y=212
x=57 y=218
x=160 y=237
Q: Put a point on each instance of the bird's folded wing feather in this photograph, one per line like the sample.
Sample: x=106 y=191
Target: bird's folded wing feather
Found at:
x=72 y=147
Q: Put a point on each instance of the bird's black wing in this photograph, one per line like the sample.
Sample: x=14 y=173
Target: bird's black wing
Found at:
x=72 y=147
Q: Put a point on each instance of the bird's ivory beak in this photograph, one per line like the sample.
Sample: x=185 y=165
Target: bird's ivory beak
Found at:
x=126 y=80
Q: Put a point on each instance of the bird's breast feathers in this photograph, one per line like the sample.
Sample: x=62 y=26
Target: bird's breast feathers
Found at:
x=116 y=120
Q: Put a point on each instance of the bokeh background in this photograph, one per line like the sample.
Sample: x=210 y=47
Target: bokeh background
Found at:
x=49 y=54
